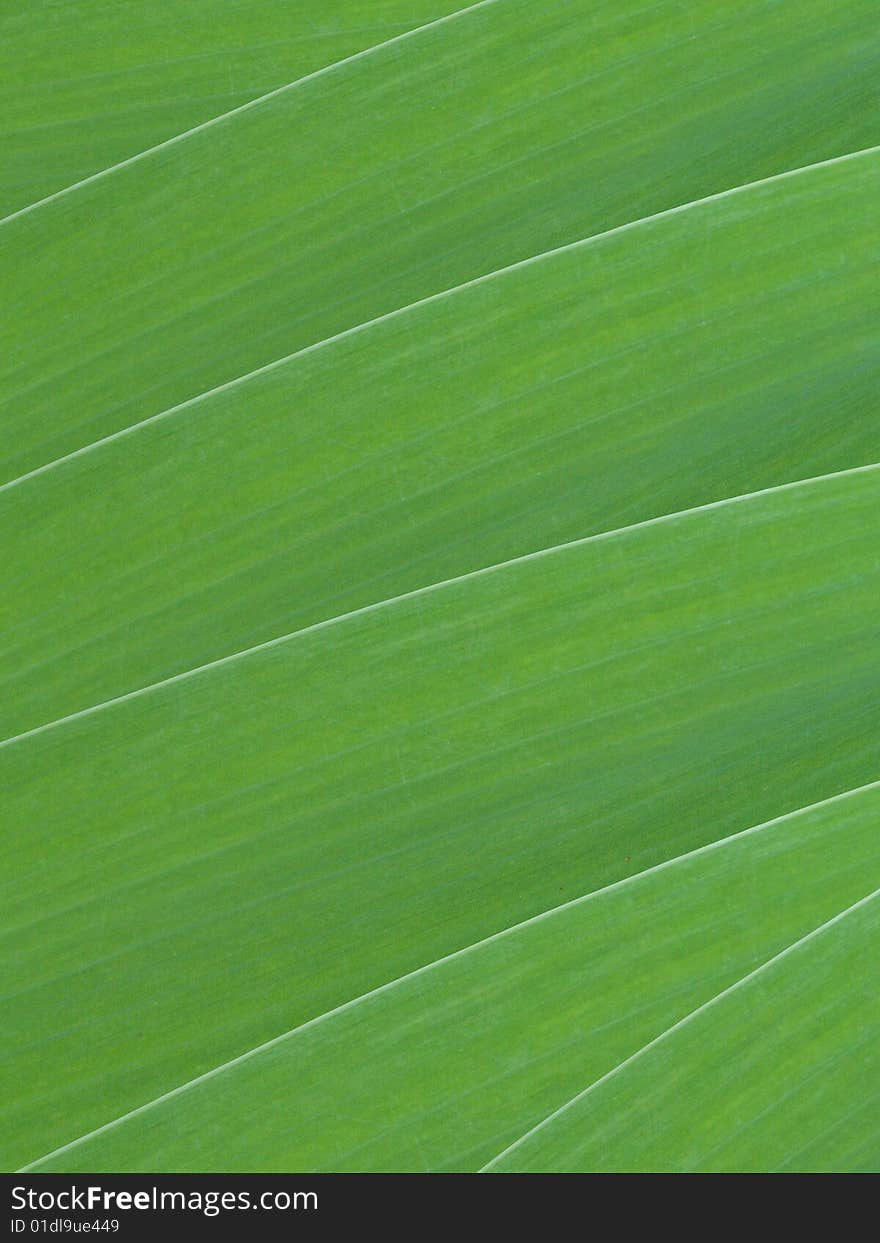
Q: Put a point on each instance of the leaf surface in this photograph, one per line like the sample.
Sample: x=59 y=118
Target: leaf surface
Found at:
x=439 y=503
x=762 y=1080
x=690 y=354
x=84 y=86
x=446 y=1066
x=246 y=848
x=506 y=132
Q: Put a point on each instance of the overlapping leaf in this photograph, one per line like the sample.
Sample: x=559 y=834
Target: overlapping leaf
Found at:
x=482 y=141
x=84 y=86
x=446 y=1068
x=691 y=355
x=334 y=700
x=247 y=848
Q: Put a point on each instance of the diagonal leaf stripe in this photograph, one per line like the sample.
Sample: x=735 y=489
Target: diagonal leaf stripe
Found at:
x=454 y=995
x=516 y=763
x=504 y=133
x=804 y=1013
x=439 y=592
x=415 y=594
x=349 y=474
x=51 y=142
x=561 y=1118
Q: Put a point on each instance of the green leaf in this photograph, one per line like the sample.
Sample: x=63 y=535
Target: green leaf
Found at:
x=246 y=848
x=512 y=1031
x=690 y=353
x=84 y=86
x=439 y=594
x=736 y=1081
x=477 y=142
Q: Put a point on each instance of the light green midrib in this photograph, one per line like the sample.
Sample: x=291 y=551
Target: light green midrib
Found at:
x=237 y=111
x=442 y=294
x=382 y=989
x=437 y=586
x=365 y=610
x=683 y=1022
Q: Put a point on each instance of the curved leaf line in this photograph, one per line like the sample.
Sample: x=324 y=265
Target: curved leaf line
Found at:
x=246 y=107
x=726 y=992
x=418 y=592
x=708 y=848
x=431 y=298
